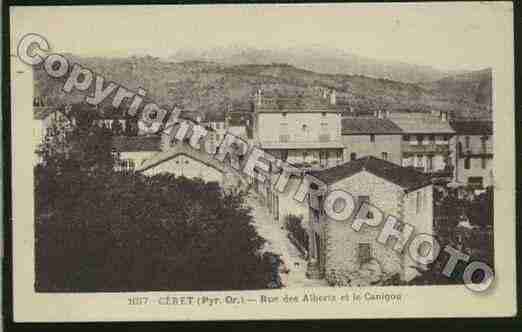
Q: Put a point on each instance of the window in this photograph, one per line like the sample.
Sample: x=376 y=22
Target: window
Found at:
x=372 y=138
x=467 y=142
x=305 y=154
x=339 y=156
x=483 y=162
x=419 y=161
x=364 y=253
x=283 y=114
x=467 y=163
x=323 y=158
x=324 y=126
x=384 y=155
x=366 y=212
x=420 y=138
x=432 y=138
x=323 y=113
x=406 y=138
x=353 y=156
x=284 y=155
x=484 y=140
x=476 y=181
x=418 y=204
x=304 y=127
x=429 y=163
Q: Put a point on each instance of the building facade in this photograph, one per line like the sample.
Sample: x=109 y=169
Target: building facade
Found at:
x=371 y=136
x=348 y=257
x=474 y=153
x=427 y=143
x=302 y=132
x=131 y=152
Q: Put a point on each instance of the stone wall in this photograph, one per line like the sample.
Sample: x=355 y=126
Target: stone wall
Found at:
x=341 y=241
x=362 y=146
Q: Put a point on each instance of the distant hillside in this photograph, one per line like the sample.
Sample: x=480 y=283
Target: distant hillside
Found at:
x=469 y=88
x=317 y=59
x=208 y=87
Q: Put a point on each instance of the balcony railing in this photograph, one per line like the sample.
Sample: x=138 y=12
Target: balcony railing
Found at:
x=477 y=152
x=423 y=148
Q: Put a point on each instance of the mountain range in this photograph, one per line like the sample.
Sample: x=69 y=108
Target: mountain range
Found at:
x=319 y=59
x=208 y=85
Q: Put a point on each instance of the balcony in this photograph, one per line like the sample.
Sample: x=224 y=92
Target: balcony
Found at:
x=421 y=148
x=445 y=175
x=483 y=151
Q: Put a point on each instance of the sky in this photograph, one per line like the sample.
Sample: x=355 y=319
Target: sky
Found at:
x=452 y=36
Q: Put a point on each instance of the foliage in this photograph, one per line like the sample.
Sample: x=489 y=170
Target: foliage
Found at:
x=100 y=230
x=294 y=225
x=476 y=242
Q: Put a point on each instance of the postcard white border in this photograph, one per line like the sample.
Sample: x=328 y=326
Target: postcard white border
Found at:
x=419 y=301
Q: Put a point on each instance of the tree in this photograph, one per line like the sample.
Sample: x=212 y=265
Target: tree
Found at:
x=101 y=230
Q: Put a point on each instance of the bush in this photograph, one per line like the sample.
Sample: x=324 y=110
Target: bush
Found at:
x=130 y=233
x=294 y=226
x=99 y=230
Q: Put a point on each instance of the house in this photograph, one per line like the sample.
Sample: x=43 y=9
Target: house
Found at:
x=297 y=129
x=371 y=136
x=426 y=143
x=132 y=151
x=112 y=119
x=474 y=153
x=338 y=251
x=44 y=118
x=181 y=159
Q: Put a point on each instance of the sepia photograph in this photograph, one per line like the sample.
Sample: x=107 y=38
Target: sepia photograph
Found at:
x=332 y=155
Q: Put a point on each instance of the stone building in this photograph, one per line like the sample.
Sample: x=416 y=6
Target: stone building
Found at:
x=474 y=153
x=132 y=151
x=181 y=159
x=302 y=130
x=345 y=256
x=426 y=143
x=371 y=136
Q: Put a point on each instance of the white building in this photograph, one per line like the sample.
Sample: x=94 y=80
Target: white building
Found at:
x=299 y=130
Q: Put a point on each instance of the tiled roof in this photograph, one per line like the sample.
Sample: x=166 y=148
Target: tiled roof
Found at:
x=302 y=145
x=404 y=177
x=473 y=127
x=421 y=123
x=182 y=149
x=136 y=143
x=368 y=125
x=296 y=104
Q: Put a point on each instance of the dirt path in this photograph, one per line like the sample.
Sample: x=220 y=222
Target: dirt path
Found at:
x=278 y=243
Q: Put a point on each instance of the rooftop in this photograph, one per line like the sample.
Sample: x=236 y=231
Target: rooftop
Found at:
x=181 y=149
x=407 y=178
x=368 y=125
x=473 y=127
x=136 y=143
x=280 y=104
x=421 y=123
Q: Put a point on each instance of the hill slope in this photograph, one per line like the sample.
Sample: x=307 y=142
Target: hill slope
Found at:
x=319 y=59
x=208 y=87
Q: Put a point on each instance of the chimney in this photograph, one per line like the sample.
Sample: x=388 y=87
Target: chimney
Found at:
x=333 y=99
x=258 y=96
